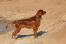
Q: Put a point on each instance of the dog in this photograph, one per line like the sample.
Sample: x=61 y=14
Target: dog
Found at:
x=30 y=23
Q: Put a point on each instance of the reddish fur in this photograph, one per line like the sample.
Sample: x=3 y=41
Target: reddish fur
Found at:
x=33 y=22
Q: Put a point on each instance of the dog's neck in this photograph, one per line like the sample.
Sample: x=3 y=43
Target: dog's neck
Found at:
x=38 y=16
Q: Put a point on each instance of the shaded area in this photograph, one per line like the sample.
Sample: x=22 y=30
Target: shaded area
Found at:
x=3 y=24
x=38 y=34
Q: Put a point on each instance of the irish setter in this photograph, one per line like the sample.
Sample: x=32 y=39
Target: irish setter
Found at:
x=31 y=23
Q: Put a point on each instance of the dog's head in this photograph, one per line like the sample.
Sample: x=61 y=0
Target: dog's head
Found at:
x=41 y=12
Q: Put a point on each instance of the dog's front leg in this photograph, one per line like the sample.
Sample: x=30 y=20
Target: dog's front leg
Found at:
x=35 y=31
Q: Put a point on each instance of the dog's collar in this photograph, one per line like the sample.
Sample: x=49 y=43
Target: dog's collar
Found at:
x=38 y=16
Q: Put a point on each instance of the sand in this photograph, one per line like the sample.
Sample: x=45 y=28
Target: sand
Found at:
x=53 y=25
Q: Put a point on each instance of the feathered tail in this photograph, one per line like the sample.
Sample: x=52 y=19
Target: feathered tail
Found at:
x=9 y=24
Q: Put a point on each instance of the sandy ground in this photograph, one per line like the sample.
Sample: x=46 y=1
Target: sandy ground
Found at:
x=53 y=24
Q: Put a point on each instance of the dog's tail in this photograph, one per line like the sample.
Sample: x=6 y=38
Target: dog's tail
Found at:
x=9 y=24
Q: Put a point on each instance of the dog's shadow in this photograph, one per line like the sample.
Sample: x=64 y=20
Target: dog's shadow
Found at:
x=38 y=34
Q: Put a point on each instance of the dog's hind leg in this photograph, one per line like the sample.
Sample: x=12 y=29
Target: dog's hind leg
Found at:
x=16 y=30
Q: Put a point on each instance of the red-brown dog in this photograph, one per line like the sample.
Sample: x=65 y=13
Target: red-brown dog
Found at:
x=33 y=23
